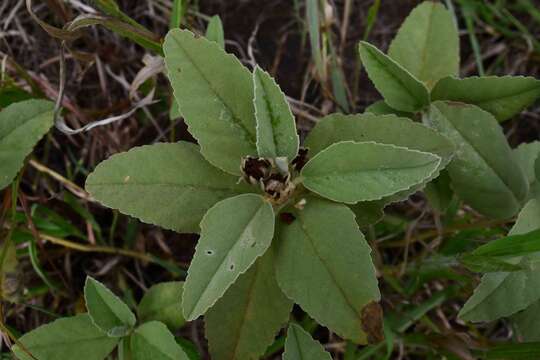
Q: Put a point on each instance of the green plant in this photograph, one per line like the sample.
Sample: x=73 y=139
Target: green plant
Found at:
x=418 y=77
x=280 y=235
x=280 y=221
x=111 y=324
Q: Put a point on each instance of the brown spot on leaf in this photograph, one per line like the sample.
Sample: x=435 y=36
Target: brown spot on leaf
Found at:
x=372 y=322
x=287 y=218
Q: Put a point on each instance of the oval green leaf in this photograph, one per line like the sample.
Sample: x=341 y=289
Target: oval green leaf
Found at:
x=107 y=311
x=276 y=129
x=350 y=171
x=215 y=94
x=483 y=171
x=234 y=233
x=401 y=90
x=22 y=125
x=323 y=263
x=427 y=44
x=170 y=185
x=68 y=338
x=503 y=97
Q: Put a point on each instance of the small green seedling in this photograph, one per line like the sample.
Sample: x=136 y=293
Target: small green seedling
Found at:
x=110 y=324
x=277 y=221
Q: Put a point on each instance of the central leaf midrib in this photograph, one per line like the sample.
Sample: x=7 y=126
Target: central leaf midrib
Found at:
x=355 y=172
x=426 y=42
x=407 y=90
x=270 y=110
x=247 y=308
x=234 y=116
x=481 y=155
x=189 y=186
x=327 y=268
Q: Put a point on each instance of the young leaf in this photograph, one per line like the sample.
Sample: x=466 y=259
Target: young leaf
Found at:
x=153 y=341
x=505 y=293
x=323 y=262
x=234 y=233
x=107 y=311
x=170 y=185
x=339 y=174
x=504 y=97
x=214 y=31
x=68 y=338
x=300 y=345
x=163 y=302
x=401 y=90
x=215 y=94
x=244 y=322
x=276 y=129
x=483 y=171
x=22 y=125
x=427 y=44
x=511 y=246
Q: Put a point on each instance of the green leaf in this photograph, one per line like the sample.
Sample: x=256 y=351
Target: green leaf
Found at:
x=244 y=322
x=107 y=311
x=386 y=129
x=68 y=338
x=526 y=323
x=276 y=129
x=143 y=181
x=300 y=345
x=505 y=293
x=214 y=31
x=504 y=97
x=339 y=174
x=439 y=192
x=215 y=94
x=427 y=44
x=368 y=212
x=153 y=341
x=483 y=171
x=163 y=302
x=234 y=233
x=511 y=246
x=323 y=263
x=22 y=125
x=527 y=155
x=401 y=90
x=383 y=129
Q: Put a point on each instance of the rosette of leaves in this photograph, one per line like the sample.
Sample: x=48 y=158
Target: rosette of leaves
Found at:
x=110 y=324
x=419 y=79
x=277 y=222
